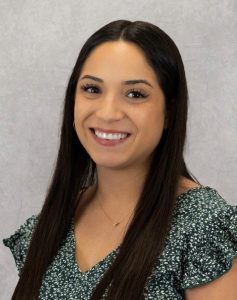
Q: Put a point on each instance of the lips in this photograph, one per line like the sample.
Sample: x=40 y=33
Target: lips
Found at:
x=109 y=130
x=111 y=143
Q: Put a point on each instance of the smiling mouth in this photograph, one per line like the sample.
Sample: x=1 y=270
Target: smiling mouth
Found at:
x=107 y=131
x=109 y=135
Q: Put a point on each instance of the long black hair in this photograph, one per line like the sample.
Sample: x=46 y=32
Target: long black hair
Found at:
x=74 y=170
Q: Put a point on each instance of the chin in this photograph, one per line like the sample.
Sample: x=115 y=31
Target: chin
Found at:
x=110 y=163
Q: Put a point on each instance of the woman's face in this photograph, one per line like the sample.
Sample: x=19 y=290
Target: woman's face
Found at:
x=107 y=99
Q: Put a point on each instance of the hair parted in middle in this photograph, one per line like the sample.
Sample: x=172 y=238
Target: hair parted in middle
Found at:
x=144 y=241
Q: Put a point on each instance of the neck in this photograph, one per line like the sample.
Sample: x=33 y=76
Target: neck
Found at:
x=118 y=190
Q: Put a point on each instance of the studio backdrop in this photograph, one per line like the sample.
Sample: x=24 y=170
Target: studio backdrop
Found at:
x=40 y=41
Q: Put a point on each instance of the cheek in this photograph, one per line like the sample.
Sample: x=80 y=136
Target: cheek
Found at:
x=81 y=111
x=152 y=119
x=151 y=126
x=80 y=116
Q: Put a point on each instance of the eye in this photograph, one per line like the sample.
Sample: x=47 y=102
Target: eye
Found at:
x=137 y=94
x=90 y=88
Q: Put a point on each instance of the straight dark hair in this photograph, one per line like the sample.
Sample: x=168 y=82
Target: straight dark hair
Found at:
x=75 y=170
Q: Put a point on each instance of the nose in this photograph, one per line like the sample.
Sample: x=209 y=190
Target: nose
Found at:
x=109 y=109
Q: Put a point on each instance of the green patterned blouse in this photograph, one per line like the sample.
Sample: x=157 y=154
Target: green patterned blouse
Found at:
x=199 y=248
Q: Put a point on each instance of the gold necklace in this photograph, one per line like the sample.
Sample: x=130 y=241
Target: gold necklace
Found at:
x=115 y=224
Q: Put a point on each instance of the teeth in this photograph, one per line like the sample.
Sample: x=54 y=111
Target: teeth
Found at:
x=110 y=136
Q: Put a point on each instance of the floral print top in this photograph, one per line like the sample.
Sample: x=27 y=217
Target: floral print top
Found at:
x=199 y=248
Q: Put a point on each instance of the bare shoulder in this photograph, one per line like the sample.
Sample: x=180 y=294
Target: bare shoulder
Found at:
x=186 y=184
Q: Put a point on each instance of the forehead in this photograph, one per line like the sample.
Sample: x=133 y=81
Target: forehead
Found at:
x=118 y=59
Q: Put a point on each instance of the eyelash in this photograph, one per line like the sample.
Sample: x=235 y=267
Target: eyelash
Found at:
x=88 y=86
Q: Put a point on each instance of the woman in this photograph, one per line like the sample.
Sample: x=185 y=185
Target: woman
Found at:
x=123 y=217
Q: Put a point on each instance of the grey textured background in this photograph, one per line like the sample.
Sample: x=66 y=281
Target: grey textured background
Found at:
x=40 y=41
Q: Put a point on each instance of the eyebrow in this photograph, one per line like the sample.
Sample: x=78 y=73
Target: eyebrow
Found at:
x=127 y=82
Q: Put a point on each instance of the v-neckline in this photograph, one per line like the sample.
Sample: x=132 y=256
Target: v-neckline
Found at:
x=99 y=263
x=106 y=258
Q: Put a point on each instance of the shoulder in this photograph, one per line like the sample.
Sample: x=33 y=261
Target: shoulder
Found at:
x=185 y=184
x=201 y=198
x=201 y=244
x=210 y=245
x=19 y=241
x=202 y=209
x=209 y=225
x=23 y=232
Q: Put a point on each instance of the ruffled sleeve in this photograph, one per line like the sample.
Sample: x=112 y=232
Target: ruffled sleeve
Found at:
x=19 y=241
x=211 y=242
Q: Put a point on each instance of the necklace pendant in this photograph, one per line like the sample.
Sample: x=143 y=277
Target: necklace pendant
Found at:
x=116 y=224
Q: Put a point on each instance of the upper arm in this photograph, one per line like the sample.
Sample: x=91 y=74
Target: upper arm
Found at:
x=224 y=287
